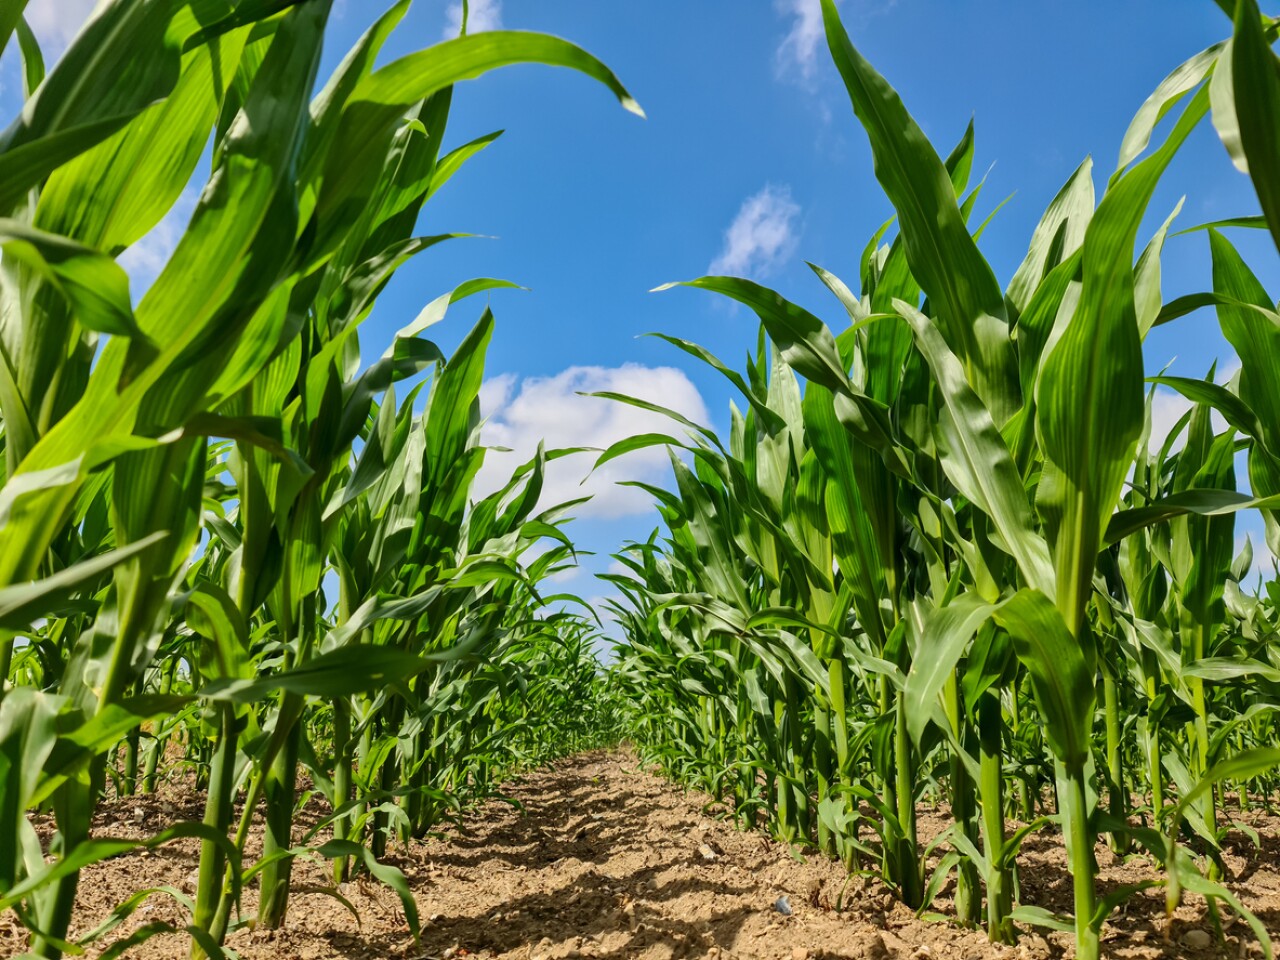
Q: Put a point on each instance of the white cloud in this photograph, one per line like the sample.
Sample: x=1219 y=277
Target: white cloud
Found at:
x=521 y=412
x=481 y=15
x=56 y=22
x=798 y=52
x=762 y=236
x=805 y=45
x=145 y=259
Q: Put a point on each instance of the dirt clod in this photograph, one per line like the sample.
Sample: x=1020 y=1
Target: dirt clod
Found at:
x=1197 y=940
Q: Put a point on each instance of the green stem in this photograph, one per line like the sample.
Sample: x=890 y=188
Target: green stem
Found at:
x=343 y=752
x=1000 y=888
x=217 y=816
x=1154 y=772
x=1115 y=762
x=905 y=777
x=1075 y=805
x=281 y=783
x=1200 y=735
x=963 y=810
x=823 y=767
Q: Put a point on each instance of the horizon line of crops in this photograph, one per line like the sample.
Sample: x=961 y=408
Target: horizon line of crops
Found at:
x=952 y=564
x=187 y=482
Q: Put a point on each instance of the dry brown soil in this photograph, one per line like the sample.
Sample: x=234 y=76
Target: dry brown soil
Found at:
x=606 y=860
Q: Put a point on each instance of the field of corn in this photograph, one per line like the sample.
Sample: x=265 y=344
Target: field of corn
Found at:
x=938 y=567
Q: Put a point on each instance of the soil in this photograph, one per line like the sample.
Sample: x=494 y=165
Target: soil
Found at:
x=595 y=857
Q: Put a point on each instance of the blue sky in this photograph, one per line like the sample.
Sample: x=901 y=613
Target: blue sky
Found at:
x=750 y=162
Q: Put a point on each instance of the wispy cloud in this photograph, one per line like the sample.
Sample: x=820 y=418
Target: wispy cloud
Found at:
x=145 y=259
x=481 y=15
x=56 y=23
x=521 y=412
x=803 y=48
x=797 y=55
x=762 y=235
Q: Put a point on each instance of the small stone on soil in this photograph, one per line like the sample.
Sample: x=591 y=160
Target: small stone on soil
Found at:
x=1197 y=940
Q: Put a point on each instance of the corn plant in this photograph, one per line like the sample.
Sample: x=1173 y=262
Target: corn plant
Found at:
x=950 y=561
x=182 y=477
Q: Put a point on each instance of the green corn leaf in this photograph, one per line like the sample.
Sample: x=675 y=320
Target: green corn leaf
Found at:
x=943 y=256
x=944 y=635
x=1249 y=321
x=1256 y=88
x=976 y=458
x=111 y=195
x=1234 y=410
x=89 y=852
x=641 y=441
x=234 y=245
x=452 y=162
x=1055 y=239
x=28 y=734
x=10 y=18
x=1185 y=78
x=381 y=98
x=1040 y=917
x=94 y=286
x=803 y=340
x=1225 y=668
x=1201 y=502
x=355 y=668
x=1146 y=280
x=1061 y=676
x=1089 y=403
x=22 y=603
x=98 y=86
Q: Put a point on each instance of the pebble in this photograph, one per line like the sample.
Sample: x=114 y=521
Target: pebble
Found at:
x=799 y=953
x=707 y=853
x=1197 y=940
x=783 y=906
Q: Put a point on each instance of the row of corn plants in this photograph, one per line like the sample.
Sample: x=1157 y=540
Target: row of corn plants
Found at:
x=234 y=545
x=940 y=556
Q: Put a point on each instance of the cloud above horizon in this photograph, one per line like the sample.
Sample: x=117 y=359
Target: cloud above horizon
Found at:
x=521 y=411
x=482 y=15
x=56 y=23
x=763 y=235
